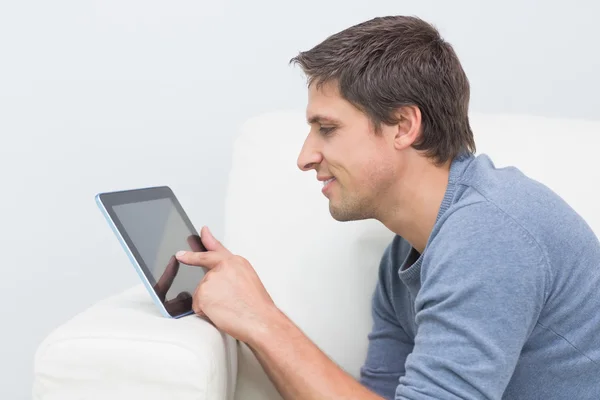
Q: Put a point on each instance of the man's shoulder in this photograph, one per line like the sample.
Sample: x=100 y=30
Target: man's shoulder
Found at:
x=501 y=192
x=502 y=213
x=481 y=224
x=490 y=200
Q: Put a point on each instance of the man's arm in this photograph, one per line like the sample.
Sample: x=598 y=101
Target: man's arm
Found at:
x=298 y=368
x=389 y=345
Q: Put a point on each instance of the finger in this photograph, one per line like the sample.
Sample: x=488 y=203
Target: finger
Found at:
x=166 y=280
x=195 y=243
x=196 y=300
x=208 y=259
x=211 y=243
x=198 y=311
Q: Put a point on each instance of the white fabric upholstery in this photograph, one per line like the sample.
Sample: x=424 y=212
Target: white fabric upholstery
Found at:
x=319 y=271
x=122 y=348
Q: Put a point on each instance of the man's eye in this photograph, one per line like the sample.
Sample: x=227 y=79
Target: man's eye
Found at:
x=326 y=130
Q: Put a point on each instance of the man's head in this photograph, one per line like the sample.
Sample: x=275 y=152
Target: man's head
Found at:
x=384 y=96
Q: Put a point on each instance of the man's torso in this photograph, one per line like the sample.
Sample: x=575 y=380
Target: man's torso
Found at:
x=560 y=356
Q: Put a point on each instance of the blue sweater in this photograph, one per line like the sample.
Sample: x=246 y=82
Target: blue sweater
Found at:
x=504 y=303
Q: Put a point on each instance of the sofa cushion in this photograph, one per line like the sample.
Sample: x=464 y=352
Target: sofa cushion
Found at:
x=122 y=348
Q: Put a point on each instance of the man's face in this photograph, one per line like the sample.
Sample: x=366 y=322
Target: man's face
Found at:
x=343 y=145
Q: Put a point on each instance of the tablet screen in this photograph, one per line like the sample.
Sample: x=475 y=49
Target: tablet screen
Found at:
x=155 y=230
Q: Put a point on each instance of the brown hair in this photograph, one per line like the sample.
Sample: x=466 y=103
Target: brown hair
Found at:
x=388 y=62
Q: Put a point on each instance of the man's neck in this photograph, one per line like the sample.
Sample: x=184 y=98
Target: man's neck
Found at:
x=414 y=204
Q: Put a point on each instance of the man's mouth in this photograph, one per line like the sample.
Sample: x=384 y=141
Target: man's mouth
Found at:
x=328 y=181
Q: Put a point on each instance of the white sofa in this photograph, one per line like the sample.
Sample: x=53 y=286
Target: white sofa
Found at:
x=319 y=271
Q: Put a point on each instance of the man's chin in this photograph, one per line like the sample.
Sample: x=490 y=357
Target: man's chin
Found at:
x=345 y=215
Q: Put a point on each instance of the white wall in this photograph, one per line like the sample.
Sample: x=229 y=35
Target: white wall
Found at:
x=94 y=93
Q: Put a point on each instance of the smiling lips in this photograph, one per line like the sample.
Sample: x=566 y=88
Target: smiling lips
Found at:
x=326 y=183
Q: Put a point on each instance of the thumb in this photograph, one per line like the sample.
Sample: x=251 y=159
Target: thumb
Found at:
x=209 y=241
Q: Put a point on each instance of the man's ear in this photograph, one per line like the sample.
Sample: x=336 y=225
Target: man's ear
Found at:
x=408 y=127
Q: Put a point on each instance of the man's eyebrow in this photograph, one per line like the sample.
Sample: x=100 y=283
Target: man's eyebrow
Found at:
x=322 y=119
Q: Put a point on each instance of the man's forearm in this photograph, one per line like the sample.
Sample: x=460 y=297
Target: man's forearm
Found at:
x=298 y=368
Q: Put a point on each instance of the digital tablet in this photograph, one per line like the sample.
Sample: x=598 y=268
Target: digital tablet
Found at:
x=152 y=226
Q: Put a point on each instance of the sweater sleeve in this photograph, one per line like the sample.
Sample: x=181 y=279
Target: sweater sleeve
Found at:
x=482 y=289
x=389 y=344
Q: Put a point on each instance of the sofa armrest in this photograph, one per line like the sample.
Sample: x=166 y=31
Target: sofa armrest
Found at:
x=122 y=348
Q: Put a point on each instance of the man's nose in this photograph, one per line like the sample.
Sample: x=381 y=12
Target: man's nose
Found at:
x=310 y=155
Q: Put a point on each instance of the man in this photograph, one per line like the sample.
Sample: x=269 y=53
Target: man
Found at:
x=491 y=288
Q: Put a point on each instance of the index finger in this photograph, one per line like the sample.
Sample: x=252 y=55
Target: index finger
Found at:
x=206 y=259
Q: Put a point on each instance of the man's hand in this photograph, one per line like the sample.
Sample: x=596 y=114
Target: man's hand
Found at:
x=231 y=294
